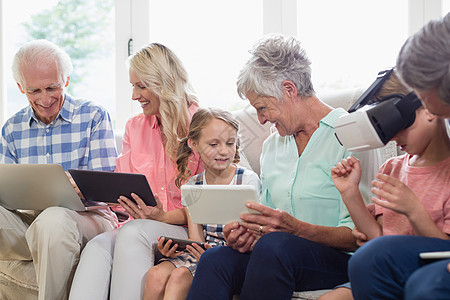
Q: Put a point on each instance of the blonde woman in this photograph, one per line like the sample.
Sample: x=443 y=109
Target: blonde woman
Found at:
x=120 y=258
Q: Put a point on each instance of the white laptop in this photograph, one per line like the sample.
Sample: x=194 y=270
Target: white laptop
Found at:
x=36 y=187
x=218 y=204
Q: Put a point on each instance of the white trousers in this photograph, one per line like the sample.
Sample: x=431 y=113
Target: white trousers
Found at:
x=53 y=240
x=115 y=263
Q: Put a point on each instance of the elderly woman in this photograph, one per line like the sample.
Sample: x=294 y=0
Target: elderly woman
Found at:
x=389 y=267
x=161 y=86
x=301 y=238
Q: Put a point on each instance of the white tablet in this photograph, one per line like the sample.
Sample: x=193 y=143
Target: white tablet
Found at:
x=435 y=255
x=218 y=204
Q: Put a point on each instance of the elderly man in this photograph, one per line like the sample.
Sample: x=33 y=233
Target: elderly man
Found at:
x=55 y=129
x=389 y=267
x=301 y=238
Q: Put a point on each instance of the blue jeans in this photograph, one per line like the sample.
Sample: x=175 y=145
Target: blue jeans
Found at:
x=279 y=264
x=389 y=267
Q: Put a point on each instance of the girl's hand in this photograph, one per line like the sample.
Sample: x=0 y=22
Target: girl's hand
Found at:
x=196 y=251
x=141 y=210
x=167 y=249
x=346 y=175
x=395 y=195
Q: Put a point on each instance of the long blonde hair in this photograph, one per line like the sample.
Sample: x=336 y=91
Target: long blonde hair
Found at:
x=161 y=71
x=199 y=121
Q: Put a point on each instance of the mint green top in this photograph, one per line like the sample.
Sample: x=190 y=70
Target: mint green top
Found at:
x=302 y=186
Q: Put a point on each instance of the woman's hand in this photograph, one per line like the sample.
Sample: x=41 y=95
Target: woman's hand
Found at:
x=167 y=249
x=141 y=210
x=346 y=175
x=196 y=250
x=75 y=186
x=238 y=237
x=269 y=220
x=360 y=237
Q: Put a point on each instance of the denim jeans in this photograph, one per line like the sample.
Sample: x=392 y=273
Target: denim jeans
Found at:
x=279 y=264
x=389 y=267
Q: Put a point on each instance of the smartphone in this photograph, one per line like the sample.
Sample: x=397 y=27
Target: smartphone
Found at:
x=435 y=255
x=181 y=243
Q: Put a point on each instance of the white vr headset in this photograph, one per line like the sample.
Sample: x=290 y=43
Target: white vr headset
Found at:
x=370 y=126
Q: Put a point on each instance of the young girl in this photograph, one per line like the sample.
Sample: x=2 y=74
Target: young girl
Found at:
x=213 y=135
x=413 y=190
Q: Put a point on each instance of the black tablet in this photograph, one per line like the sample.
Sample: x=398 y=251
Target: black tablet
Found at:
x=106 y=187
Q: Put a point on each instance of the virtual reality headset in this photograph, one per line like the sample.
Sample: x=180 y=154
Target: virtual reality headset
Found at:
x=370 y=126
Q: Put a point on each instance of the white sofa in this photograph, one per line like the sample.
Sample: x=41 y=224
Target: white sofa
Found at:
x=18 y=280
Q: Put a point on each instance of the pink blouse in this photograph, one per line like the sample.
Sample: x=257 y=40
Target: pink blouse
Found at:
x=143 y=152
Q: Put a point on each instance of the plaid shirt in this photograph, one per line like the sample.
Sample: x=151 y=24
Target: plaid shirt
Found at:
x=81 y=137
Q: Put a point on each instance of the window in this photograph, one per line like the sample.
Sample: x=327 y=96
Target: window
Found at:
x=349 y=41
x=93 y=76
x=212 y=39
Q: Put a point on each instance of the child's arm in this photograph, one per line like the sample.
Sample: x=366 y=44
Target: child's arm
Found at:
x=195 y=234
x=195 y=230
x=401 y=199
x=346 y=176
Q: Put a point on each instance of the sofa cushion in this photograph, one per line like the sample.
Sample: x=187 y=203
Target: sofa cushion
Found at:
x=17 y=280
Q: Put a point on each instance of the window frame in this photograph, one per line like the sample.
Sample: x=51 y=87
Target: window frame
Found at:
x=131 y=23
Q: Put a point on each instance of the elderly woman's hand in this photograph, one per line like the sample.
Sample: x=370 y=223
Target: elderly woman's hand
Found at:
x=269 y=220
x=140 y=210
x=238 y=237
x=360 y=237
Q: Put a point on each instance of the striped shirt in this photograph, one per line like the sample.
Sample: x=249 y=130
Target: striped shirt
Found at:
x=81 y=137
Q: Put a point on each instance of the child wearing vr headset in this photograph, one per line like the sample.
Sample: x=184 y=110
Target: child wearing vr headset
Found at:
x=412 y=191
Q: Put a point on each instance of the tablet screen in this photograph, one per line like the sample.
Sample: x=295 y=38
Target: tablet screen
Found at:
x=105 y=186
x=218 y=204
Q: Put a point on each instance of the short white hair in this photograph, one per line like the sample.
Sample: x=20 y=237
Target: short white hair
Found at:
x=274 y=60
x=38 y=50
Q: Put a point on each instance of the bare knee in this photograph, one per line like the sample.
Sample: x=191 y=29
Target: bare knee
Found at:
x=156 y=279
x=341 y=293
x=180 y=278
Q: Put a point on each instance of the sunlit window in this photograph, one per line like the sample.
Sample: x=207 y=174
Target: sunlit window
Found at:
x=212 y=38
x=83 y=28
x=350 y=41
